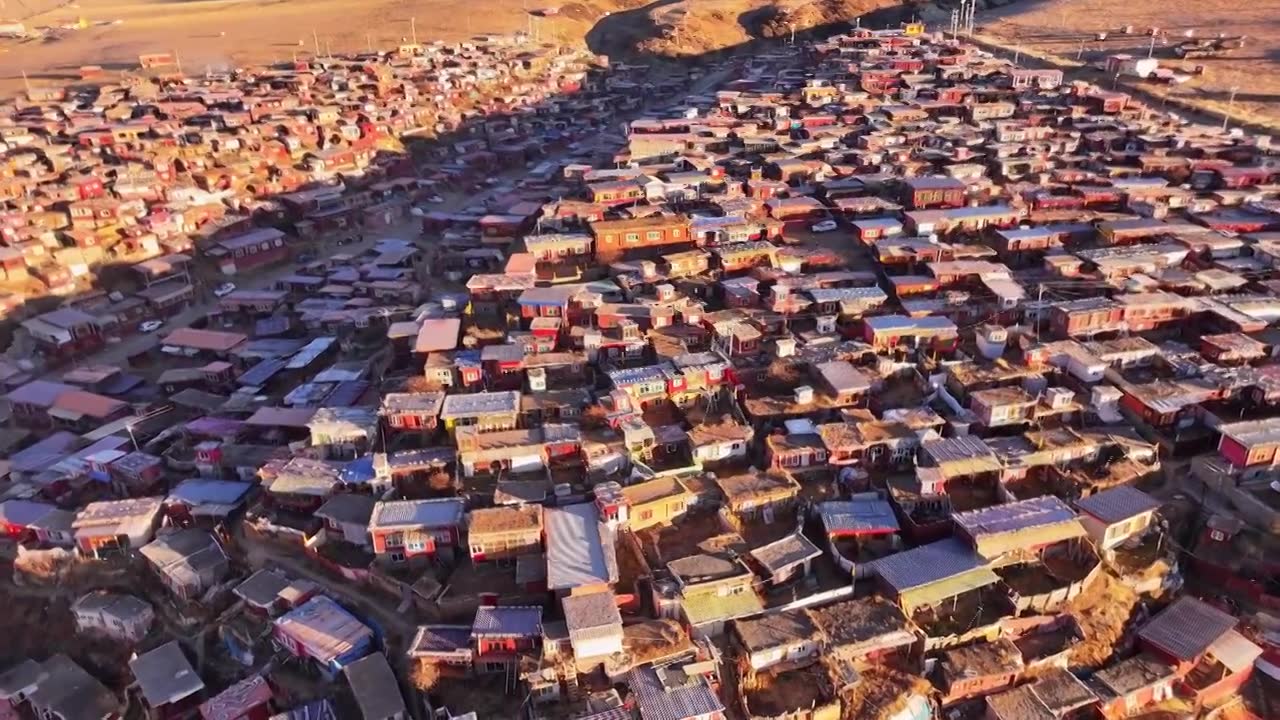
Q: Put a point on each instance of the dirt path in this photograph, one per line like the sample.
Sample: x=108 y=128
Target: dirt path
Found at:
x=261 y=554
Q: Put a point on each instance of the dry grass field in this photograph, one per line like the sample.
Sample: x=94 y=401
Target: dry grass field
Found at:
x=1066 y=29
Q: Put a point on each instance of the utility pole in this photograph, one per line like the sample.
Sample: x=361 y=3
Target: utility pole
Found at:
x=1151 y=49
x=25 y=82
x=315 y=38
x=413 y=29
x=368 y=42
x=1080 y=54
x=1231 y=100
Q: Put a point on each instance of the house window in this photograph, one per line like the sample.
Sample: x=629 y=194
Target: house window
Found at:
x=646 y=514
x=653 y=235
x=632 y=237
x=394 y=540
x=397 y=557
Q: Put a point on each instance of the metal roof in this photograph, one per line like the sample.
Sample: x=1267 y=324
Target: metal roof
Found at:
x=928 y=564
x=1187 y=628
x=1015 y=516
x=1118 y=503
x=440 y=639
x=673 y=695
x=239 y=700
x=165 y=675
x=483 y=403
x=445 y=512
x=324 y=629
x=375 y=687
x=578 y=551
x=516 y=620
x=957 y=449
x=858 y=516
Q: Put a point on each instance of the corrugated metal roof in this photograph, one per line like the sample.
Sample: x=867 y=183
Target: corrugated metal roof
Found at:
x=1187 y=628
x=1118 y=503
x=858 y=516
x=928 y=564
x=419 y=513
x=1015 y=516
x=671 y=701
x=517 y=620
x=577 y=554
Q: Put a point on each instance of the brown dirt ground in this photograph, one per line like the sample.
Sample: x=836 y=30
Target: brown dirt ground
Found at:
x=774 y=695
x=882 y=693
x=1057 y=27
x=653 y=640
x=1103 y=611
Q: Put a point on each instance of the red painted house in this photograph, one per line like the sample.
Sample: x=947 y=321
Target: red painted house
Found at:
x=1211 y=659
x=618 y=239
x=1251 y=443
x=250 y=251
x=919 y=193
x=501 y=634
x=405 y=529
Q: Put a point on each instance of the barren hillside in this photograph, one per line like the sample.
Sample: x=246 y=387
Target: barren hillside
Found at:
x=221 y=33
x=692 y=27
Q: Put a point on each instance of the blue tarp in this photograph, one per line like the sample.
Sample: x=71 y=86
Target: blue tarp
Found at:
x=358 y=471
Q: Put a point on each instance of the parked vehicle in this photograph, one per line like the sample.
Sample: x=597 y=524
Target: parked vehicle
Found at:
x=824 y=226
x=150 y=326
x=224 y=289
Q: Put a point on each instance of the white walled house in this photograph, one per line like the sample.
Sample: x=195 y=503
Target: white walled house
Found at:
x=1115 y=515
x=117 y=616
x=595 y=626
